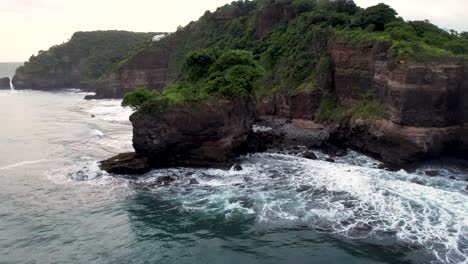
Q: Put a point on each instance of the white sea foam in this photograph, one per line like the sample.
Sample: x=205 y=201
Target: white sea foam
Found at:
x=23 y=163
x=347 y=200
x=97 y=133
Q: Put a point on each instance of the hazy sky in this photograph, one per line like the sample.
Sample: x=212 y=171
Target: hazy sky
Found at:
x=31 y=25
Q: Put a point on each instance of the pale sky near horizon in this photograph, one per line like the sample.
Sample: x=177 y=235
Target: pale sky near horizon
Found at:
x=28 y=26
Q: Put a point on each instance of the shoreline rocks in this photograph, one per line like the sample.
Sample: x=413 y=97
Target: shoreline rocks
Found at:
x=126 y=164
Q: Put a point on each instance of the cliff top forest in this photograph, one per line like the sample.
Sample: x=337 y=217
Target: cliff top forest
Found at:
x=98 y=52
x=287 y=37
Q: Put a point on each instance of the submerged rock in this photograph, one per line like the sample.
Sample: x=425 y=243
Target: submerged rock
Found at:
x=432 y=173
x=194 y=181
x=4 y=83
x=237 y=167
x=165 y=180
x=126 y=164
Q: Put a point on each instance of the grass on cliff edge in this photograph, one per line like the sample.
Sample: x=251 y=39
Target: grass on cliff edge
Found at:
x=206 y=73
x=368 y=110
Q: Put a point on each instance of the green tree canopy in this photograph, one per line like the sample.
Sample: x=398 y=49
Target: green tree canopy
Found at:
x=378 y=15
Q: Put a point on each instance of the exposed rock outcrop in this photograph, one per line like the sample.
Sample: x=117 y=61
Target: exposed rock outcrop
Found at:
x=270 y=15
x=399 y=145
x=126 y=164
x=4 y=83
x=297 y=105
x=354 y=69
x=424 y=105
x=422 y=95
x=208 y=134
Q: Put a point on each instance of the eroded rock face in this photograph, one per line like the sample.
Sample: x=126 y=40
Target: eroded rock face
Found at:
x=206 y=134
x=354 y=69
x=425 y=105
x=422 y=95
x=270 y=16
x=4 y=83
x=298 y=105
x=153 y=68
x=58 y=77
x=399 y=145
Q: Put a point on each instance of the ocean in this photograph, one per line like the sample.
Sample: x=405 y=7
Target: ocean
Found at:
x=57 y=206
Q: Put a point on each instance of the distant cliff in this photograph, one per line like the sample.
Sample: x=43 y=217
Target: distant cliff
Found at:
x=4 y=83
x=85 y=58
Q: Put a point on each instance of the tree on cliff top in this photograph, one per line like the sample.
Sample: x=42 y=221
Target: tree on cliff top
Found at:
x=378 y=15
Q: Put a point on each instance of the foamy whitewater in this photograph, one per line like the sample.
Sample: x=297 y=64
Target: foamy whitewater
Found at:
x=58 y=206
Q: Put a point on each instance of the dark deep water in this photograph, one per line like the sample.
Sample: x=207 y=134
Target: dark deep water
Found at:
x=56 y=206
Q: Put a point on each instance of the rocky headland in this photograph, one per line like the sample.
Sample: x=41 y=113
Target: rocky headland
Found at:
x=336 y=76
x=80 y=62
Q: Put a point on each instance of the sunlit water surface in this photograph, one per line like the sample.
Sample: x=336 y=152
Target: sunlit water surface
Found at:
x=58 y=207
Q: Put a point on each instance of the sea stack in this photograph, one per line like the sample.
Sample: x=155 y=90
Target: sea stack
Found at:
x=4 y=83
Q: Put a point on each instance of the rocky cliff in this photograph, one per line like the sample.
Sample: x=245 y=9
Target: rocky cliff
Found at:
x=421 y=101
x=78 y=63
x=4 y=83
x=207 y=134
x=424 y=105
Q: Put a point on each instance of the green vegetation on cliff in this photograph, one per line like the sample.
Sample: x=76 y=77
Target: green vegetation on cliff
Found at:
x=206 y=73
x=86 y=56
x=368 y=110
x=291 y=38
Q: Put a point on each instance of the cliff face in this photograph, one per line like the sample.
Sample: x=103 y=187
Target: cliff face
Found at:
x=4 y=83
x=78 y=63
x=207 y=134
x=354 y=69
x=66 y=75
x=422 y=95
x=424 y=105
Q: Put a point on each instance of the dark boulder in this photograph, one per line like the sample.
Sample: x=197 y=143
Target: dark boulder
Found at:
x=208 y=134
x=4 y=83
x=310 y=155
x=126 y=164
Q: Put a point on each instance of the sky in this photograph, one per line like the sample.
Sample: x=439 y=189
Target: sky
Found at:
x=28 y=26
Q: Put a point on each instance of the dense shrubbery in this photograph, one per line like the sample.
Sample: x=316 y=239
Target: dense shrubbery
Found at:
x=139 y=96
x=206 y=73
x=96 y=52
x=293 y=52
